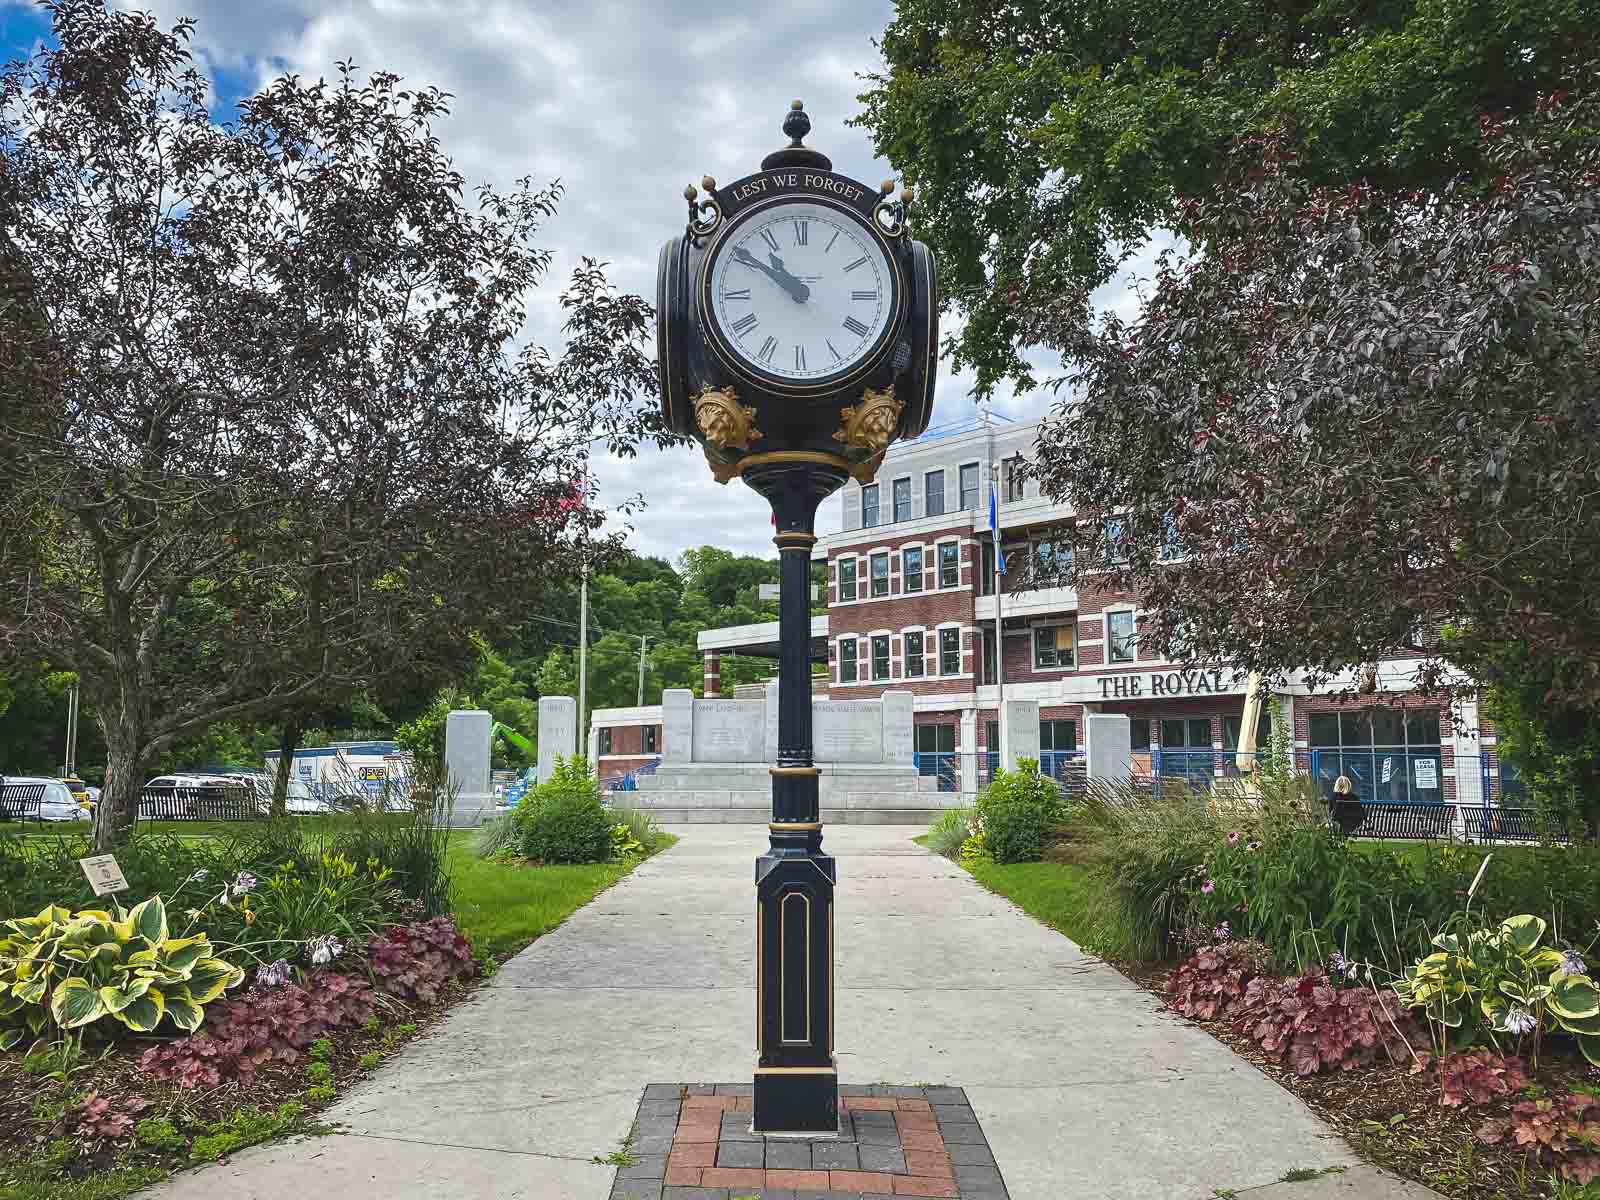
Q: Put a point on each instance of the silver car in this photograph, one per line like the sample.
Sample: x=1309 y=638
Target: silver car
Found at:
x=57 y=804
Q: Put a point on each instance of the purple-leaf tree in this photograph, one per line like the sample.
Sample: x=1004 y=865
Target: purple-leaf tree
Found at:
x=1353 y=415
x=268 y=429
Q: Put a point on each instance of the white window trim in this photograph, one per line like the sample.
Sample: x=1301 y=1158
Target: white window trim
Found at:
x=911 y=496
x=889 y=657
x=839 y=657
x=1105 y=616
x=977 y=462
x=922 y=654
x=944 y=492
x=961 y=561
x=888 y=573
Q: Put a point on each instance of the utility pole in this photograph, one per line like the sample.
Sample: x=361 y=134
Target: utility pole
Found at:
x=643 y=641
x=999 y=628
x=70 y=760
x=583 y=655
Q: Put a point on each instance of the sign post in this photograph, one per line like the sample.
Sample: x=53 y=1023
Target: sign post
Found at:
x=797 y=337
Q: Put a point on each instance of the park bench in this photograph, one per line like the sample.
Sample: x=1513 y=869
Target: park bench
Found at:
x=1489 y=824
x=199 y=804
x=1422 y=822
x=19 y=801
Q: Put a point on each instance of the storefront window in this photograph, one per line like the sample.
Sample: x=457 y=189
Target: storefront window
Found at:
x=1058 y=736
x=1139 y=734
x=1390 y=755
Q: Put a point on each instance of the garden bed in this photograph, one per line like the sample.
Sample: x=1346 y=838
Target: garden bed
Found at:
x=109 y=1120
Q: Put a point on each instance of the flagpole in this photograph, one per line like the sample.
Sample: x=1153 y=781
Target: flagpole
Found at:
x=999 y=628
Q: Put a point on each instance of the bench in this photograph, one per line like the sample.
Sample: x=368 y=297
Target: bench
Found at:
x=1420 y=822
x=199 y=804
x=1486 y=824
x=19 y=801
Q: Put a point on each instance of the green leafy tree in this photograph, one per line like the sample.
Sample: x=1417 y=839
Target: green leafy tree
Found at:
x=1047 y=139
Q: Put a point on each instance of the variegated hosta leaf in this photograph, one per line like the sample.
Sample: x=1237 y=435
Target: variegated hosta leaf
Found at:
x=211 y=977
x=33 y=989
x=1574 y=996
x=149 y=920
x=144 y=1013
x=115 y=999
x=9 y=1038
x=180 y=954
x=1524 y=930
x=75 y=1003
x=1590 y=1045
x=184 y=1012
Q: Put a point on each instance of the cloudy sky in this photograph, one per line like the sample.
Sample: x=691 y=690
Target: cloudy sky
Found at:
x=625 y=102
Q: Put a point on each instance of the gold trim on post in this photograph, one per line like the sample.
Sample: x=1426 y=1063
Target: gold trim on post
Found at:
x=797 y=1070
x=780 y=826
x=797 y=539
x=783 y=970
x=778 y=457
x=795 y=770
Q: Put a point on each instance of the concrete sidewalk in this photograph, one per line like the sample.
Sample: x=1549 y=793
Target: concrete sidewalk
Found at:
x=1083 y=1085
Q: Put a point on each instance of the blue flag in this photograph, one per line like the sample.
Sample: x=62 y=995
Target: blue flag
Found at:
x=994 y=527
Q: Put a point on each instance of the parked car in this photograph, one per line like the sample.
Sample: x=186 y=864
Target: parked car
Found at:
x=150 y=807
x=58 y=803
x=78 y=788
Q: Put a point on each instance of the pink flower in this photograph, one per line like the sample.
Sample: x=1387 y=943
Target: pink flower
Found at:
x=1233 y=838
x=1208 y=886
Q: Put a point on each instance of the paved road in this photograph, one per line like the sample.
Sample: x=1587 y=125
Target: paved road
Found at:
x=1083 y=1085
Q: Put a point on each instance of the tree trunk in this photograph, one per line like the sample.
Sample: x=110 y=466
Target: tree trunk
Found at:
x=288 y=743
x=126 y=768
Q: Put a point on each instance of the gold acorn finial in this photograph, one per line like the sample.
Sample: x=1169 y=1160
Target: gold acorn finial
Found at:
x=886 y=186
x=689 y=192
x=708 y=183
x=797 y=105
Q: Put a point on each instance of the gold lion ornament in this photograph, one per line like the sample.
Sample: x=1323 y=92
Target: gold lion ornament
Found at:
x=870 y=424
x=727 y=424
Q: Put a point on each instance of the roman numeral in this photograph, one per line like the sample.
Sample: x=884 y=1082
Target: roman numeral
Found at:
x=862 y=295
x=768 y=349
x=799 y=358
x=768 y=237
x=836 y=355
x=858 y=262
x=745 y=324
x=855 y=326
x=802 y=232
x=832 y=240
x=736 y=294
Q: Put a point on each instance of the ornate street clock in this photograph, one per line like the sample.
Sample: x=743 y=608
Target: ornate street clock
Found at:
x=795 y=314
x=797 y=333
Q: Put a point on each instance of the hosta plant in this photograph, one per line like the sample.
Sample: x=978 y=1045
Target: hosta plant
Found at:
x=72 y=969
x=1563 y=1134
x=1500 y=983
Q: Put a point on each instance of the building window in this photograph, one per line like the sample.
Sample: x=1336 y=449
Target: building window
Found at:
x=990 y=673
x=913 y=646
x=1119 y=637
x=605 y=741
x=1054 y=647
x=933 y=494
x=936 y=748
x=1232 y=725
x=949 y=651
x=950 y=565
x=1388 y=754
x=1116 y=542
x=986 y=567
x=847 y=660
x=847 y=578
x=969 y=487
x=880 y=574
x=1058 y=737
x=880 y=656
x=911 y=569
x=869 y=506
x=902 y=499
x=1171 y=545
x=1193 y=733
x=652 y=739
x=1139 y=734
x=1014 y=478
x=1052 y=563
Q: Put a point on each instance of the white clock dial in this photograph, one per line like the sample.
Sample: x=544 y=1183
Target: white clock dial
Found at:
x=801 y=291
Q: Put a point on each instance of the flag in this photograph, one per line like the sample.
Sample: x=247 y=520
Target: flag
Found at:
x=994 y=527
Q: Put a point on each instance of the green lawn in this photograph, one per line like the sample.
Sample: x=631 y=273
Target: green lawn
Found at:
x=1058 y=894
x=502 y=908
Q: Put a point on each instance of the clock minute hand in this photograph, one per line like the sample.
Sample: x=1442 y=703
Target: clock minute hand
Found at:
x=798 y=290
x=787 y=282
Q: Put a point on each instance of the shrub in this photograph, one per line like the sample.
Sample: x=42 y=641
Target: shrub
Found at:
x=1313 y=1025
x=1017 y=811
x=275 y=1024
x=949 y=830
x=1563 y=1134
x=306 y=901
x=73 y=969
x=414 y=963
x=413 y=843
x=562 y=820
x=1212 y=982
x=641 y=826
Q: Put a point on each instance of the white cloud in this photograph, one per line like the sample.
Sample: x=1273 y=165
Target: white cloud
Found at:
x=625 y=102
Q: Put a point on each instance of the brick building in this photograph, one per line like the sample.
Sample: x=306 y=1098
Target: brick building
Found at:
x=912 y=606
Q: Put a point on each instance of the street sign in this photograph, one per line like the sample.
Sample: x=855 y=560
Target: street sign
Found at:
x=104 y=876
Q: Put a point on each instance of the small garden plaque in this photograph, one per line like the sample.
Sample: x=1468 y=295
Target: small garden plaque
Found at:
x=104 y=876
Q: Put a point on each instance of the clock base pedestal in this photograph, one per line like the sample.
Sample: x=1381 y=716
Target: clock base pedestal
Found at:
x=796 y=1083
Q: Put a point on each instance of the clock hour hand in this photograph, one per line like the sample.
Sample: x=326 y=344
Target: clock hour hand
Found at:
x=797 y=290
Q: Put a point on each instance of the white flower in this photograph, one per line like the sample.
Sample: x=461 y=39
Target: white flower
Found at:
x=245 y=882
x=200 y=875
x=1572 y=964
x=324 y=949
x=1520 y=1021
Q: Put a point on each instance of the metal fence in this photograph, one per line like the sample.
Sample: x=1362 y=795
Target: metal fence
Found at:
x=201 y=804
x=629 y=780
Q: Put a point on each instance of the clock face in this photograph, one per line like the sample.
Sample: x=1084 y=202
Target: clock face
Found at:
x=801 y=291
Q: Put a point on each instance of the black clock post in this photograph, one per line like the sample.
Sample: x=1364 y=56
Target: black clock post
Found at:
x=797 y=337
